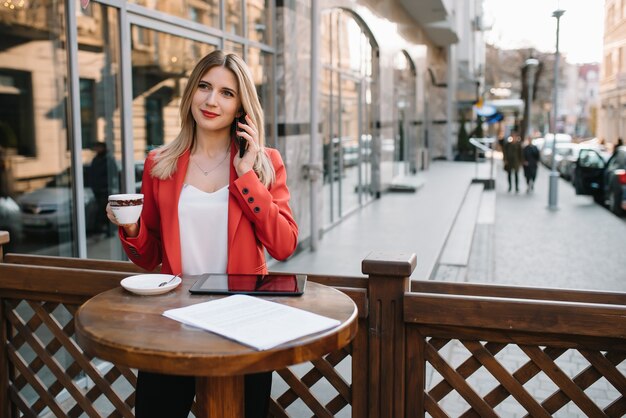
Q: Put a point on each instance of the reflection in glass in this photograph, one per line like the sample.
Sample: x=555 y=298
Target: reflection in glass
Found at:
x=233 y=47
x=260 y=64
x=332 y=153
x=36 y=203
x=206 y=12
x=257 y=16
x=232 y=15
x=350 y=131
x=405 y=139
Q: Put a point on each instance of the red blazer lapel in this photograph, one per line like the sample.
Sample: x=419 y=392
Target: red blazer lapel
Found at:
x=169 y=195
x=234 y=210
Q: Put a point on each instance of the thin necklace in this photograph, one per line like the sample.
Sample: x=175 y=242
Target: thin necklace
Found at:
x=206 y=172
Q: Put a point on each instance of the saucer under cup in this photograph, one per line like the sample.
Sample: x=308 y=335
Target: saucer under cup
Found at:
x=150 y=284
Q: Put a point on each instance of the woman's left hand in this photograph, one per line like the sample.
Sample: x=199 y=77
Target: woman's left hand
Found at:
x=249 y=132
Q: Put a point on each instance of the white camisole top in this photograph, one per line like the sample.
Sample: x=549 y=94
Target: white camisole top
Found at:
x=203 y=224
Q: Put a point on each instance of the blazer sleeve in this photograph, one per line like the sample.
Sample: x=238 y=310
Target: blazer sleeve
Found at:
x=268 y=209
x=145 y=249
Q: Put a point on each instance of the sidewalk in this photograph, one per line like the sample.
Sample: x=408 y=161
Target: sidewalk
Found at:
x=520 y=243
x=398 y=222
x=580 y=245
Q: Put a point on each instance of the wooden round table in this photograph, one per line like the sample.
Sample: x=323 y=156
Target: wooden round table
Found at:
x=129 y=330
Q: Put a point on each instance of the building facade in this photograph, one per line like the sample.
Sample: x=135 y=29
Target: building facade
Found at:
x=612 y=111
x=113 y=72
x=588 y=100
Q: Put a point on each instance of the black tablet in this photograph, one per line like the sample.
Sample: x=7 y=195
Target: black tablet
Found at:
x=251 y=284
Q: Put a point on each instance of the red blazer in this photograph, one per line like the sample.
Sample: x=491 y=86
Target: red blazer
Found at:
x=258 y=218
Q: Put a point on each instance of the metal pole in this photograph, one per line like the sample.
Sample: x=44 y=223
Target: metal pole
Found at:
x=450 y=91
x=75 y=133
x=554 y=176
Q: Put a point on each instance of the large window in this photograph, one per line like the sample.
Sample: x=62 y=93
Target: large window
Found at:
x=100 y=119
x=346 y=109
x=37 y=203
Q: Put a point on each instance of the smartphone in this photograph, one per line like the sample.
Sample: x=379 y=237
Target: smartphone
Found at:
x=243 y=144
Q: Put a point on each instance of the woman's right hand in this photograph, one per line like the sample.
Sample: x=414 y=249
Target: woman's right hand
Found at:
x=131 y=230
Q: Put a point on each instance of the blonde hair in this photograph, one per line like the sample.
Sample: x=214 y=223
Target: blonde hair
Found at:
x=167 y=156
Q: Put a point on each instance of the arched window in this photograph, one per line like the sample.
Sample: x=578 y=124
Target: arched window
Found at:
x=405 y=132
x=348 y=53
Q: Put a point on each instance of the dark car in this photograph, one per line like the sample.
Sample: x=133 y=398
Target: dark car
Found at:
x=605 y=181
x=567 y=165
x=49 y=209
x=10 y=221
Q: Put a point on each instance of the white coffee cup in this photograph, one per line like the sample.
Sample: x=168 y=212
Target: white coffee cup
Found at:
x=126 y=207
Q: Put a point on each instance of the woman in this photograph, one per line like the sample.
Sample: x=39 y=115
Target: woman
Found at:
x=512 y=154
x=207 y=209
x=531 y=159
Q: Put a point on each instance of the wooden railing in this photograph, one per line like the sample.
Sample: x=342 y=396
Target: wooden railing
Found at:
x=441 y=349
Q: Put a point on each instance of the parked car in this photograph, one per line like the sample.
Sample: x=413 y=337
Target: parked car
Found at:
x=604 y=180
x=562 y=149
x=545 y=146
x=567 y=165
x=10 y=221
x=566 y=160
x=49 y=208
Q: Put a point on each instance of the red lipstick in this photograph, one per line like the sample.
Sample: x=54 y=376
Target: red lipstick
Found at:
x=208 y=114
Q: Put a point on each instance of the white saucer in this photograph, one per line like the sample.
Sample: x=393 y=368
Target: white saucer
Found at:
x=148 y=284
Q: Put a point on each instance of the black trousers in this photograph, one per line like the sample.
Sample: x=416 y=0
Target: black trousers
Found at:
x=167 y=396
x=513 y=172
x=530 y=172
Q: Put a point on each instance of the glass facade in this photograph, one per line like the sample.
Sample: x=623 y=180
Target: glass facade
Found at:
x=346 y=113
x=206 y=12
x=128 y=70
x=405 y=132
x=37 y=199
x=258 y=19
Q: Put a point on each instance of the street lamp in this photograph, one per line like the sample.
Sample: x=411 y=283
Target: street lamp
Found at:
x=531 y=64
x=554 y=176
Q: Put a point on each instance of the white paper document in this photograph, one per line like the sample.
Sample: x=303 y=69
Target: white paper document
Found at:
x=252 y=321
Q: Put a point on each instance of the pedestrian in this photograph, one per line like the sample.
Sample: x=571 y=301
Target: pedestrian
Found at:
x=512 y=154
x=618 y=144
x=530 y=154
x=209 y=209
x=102 y=175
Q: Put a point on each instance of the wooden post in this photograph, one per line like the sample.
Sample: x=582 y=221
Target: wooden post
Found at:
x=5 y=410
x=388 y=281
x=4 y=239
x=4 y=358
x=4 y=365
